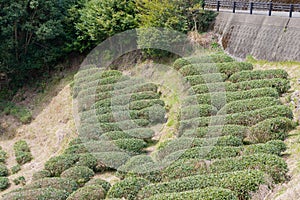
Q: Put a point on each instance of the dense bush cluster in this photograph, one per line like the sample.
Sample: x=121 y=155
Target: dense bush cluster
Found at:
x=22 y=152
x=258 y=74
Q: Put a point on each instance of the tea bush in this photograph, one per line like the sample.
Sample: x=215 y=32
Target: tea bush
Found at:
x=22 y=152
x=90 y=192
x=79 y=174
x=258 y=74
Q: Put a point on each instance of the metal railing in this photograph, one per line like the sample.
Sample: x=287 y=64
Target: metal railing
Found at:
x=251 y=6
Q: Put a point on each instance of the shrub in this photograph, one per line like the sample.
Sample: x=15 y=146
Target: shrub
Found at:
x=207 y=78
x=240 y=182
x=249 y=104
x=258 y=74
x=228 y=68
x=202 y=110
x=247 y=118
x=3 y=156
x=34 y=194
x=216 y=131
x=79 y=174
x=272 y=147
x=56 y=183
x=212 y=98
x=4 y=183
x=127 y=188
x=56 y=165
x=22 y=152
x=90 y=192
x=19 y=180
x=281 y=85
x=3 y=170
x=209 y=193
x=15 y=169
x=41 y=174
x=124 y=125
x=97 y=181
x=270 y=164
x=211 y=58
x=271 y=129
x=141 y=133
x=180 y=62
x=139 y=105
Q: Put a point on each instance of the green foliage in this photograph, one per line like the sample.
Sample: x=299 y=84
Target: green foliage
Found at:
x=20 y=112
x=3 y=156
x=217 y=131
x=271 y=129
x=258 y=74
x=4 y=183
x=240 y=182
x=56 y=165
x=207 y=78
x=101 y=19
x=97 y=181
x=3 y=170
x=41 y=174
x=90 y=192
x=209 y=193
x=127 y=188
x=227 y=68
x=141 y=133
x=34 y=194
x=272 y=147
x=19 y=180
x=22 y=152
x=79 y=174
x=15 y=169
x=212 y=98
x=202 y=110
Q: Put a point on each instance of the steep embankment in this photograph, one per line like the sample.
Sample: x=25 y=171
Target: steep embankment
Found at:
x=47 y=135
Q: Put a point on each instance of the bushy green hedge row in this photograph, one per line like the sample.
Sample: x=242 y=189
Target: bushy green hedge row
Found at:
x=97 y=181
x=258 y=74
x=127 y=188
x=124 y=125
x=96 y=161
x=240 y=182
x=206 y=78
x=22 y=152
x=96 y=73
x=202 y=110
x=3 y=170
x=79 y=174
x=140 y=133
x=3 y=156
x=131 y=96
x=4 y=183
x=90 y=192
x=270 y=164
x=40 y=193
x=212 y=58
x=271 y=129
x=281 y=85
x=204 y=68
x=247 y=118
x=127 y=87
x=40 y=174
x=209 y=193
x=249 y=104
x=186 y=143
x=216 y=152
x=217 y=98
x=217 y=131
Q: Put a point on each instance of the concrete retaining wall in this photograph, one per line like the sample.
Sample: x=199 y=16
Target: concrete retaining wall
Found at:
x=263 y=37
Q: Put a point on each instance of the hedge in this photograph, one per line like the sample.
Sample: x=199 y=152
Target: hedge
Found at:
x=15 y=169
x=217 y=98
x=275 y=147
x=205 y=68
x=207 y=78
x=90 y=192
x=272 y=147
x=34 y=194
x=41 y=174
x=186 y=143
x=124 y=125
x=3 y=170
x=4 y=183
x=281 y=85
x=270 y=164
x=96 y=73
x=258 y=74
x=240 y=182
x=127 y=188
x=202 y=110
x=132 y=96
x=97 y=181
x=22 y=152
x=247 y=118
x=271 y=129
x=56 y=165
x=79 y=174
x=180 y=62
x=141 y=133
x=55 y=182
x=217 y=131
x=3 y=156
x=209 y=193
x=249 y=104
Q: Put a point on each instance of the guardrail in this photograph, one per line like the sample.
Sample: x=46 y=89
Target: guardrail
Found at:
x=251 y=6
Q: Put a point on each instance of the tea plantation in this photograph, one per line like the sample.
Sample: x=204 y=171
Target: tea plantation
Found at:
x=228 y=143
